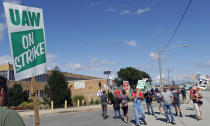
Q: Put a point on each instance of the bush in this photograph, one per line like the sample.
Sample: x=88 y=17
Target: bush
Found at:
x=85 y=102
x=78 y=97
x=97 y=102
x=23 y=104
x=91 y=101
x=16 y=95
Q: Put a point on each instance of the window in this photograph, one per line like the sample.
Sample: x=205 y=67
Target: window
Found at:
x=37 y=92
x=27 y=92
x=41 y=93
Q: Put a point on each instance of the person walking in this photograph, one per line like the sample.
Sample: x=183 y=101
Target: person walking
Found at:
x=7 y=117
x=191 y=93
x=168 y=100
x=196 y=98
x=159 y=99
x=104 y=102
x=176 y=101
x=149 y=97
x=137 y=98
x=116 y=105
x=124 y=102
x=183 y=92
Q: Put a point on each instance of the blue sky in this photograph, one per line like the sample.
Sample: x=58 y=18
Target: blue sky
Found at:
x=90 y=36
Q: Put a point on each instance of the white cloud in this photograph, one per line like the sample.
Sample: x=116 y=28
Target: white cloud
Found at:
x=2 y=28
x=156 y=79
x=96 y=4
x=110 y=10
x=13 y=1
x=105 y=62
x=51 y=57
x=144 y=68
x=131 y=43
x=50 y=61
x=205 y=64
x=94 y=60
x=140 y=11
x=5 y=59
x=153 y=56
x=125 y=12
x=73 y=66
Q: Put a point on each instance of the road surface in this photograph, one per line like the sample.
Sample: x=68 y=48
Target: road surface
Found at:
x=93 y=118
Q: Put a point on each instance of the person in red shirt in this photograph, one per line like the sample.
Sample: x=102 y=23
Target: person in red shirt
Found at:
x=191 y=93
x=117 y=92
x=137 y=97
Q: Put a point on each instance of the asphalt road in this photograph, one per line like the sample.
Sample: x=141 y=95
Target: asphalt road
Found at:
x=93 y=118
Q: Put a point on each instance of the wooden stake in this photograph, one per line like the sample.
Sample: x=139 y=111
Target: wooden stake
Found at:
x=35 y=105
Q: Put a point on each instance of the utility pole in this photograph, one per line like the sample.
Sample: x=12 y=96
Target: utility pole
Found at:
x=168 y=76
x=160 y=69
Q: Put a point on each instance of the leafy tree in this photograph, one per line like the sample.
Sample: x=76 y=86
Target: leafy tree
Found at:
x=57 y=88
x=132 y=75
x=16 y=95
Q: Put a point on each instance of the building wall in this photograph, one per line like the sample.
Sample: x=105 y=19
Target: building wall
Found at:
x=91 y=88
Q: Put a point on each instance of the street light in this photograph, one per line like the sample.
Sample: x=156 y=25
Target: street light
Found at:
x=159 y=58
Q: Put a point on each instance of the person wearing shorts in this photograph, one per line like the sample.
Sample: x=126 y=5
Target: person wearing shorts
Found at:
x=176 y=102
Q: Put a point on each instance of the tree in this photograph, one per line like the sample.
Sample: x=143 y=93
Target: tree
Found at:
x=16 y=95
x=57 y=88
x=132 y=75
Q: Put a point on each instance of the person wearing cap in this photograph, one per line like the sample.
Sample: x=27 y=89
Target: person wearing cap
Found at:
x=7 y=117
x=168 y=108
x=149 y=97
x=196 y=98
x=137 y=97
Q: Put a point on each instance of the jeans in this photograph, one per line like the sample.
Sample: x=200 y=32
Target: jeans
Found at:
x=115 y=112
x=104 y=110
x=138 y=109
x=169 y=110
x=149 y=105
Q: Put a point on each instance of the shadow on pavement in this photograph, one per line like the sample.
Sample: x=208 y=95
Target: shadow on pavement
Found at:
x=191 y=116
x=161 y=119
x=157 y=113
x=134 y=122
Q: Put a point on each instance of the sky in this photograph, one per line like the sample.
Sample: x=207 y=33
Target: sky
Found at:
x=89 y=37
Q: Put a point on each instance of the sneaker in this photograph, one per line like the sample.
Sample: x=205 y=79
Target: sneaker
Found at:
x=167 y=121
x=145 y=123
x=199 y=118
x=181 y=115
x=153 y=114
x=176 y=114
x=173 y=123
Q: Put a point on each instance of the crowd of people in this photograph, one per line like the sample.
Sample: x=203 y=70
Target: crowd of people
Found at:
x=167 y=98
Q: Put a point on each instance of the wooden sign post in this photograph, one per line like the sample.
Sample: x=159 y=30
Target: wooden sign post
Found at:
x=35 y=105
x=28 y=45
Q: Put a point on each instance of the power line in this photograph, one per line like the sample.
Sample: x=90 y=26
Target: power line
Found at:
x=178 y=25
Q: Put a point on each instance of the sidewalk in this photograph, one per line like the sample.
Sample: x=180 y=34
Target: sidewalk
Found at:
x=63 y=110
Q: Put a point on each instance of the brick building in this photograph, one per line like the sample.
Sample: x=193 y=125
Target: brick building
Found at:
x=78 y=84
